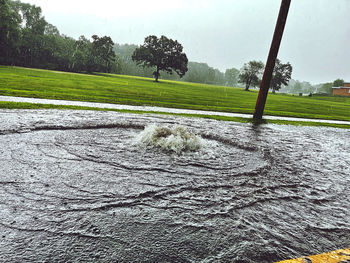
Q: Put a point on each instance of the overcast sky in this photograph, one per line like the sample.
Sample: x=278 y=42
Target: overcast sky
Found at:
x=222 y=33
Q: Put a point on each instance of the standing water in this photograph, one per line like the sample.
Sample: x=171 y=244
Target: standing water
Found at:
x=83 y=186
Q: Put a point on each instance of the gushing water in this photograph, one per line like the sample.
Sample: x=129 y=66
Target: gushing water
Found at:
x=76 y=186
x=176 y=139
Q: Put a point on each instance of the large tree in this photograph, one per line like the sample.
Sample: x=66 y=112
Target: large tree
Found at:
x=32 y=34
x=282 y=73
x=9 y=32
x=250 y=74
x=102 y=54
x=338 y=83
x=162 y=53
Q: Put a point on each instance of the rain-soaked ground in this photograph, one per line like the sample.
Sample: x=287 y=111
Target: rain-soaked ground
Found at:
x=79 y=186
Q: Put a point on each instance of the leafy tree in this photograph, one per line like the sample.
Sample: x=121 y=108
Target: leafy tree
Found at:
x=32 y=34
x=65 y=47
x=81 y=55
x=50 y=50
x=9 y=32
x=51 y=30
x=338 y=83
x=102 y=54
x=282 y=73
x=250 y=73
x=164 y=54
x=57 y=50
x=231 y=76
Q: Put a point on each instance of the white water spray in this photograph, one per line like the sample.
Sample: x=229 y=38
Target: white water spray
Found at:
x=175 y=139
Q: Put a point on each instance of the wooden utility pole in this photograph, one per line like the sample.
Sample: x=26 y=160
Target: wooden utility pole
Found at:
x=270 y=64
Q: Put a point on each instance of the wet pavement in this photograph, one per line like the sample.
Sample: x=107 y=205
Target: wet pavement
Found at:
x=159 y=109
x=76 y=186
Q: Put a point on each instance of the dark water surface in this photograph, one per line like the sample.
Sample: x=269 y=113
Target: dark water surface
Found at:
x=75 y=187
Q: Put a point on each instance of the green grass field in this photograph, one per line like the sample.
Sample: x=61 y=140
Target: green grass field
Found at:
x=120 y=89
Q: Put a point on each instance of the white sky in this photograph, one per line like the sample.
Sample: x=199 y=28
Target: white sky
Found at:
x=222 y=33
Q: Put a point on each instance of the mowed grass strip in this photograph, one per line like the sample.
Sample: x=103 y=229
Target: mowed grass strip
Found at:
x=121 y=89
x=36 y=106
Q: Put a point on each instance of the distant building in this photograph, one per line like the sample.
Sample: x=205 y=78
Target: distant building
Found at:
x=342 y=91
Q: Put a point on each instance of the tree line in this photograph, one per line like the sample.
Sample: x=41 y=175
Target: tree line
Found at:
x=197 y=72
x=27 y=39
x=296 y=87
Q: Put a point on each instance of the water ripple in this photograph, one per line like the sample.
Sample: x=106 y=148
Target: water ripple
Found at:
x=76 y=188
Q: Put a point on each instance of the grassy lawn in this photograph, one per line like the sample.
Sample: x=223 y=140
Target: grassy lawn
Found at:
x=24 y=105
x=120 y=89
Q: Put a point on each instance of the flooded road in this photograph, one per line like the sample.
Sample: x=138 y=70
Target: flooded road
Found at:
x=77 y=186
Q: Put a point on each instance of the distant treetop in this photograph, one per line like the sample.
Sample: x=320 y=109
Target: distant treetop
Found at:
x=338 y=83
